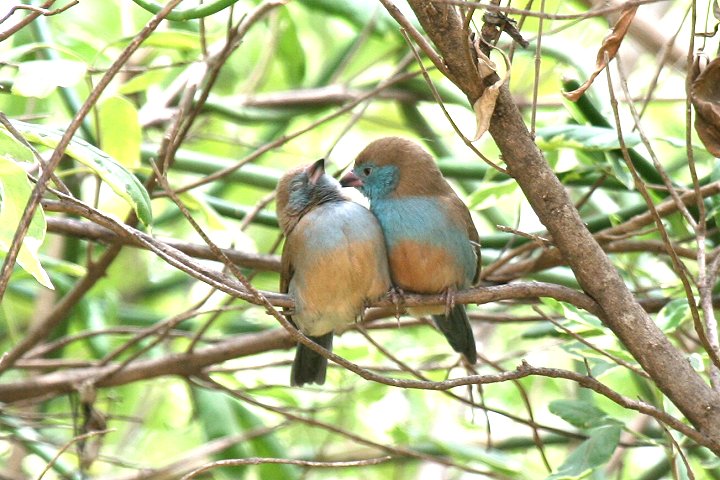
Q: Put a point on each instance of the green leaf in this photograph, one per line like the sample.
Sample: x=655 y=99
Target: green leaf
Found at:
x=682 y=470
x=672 y=315
x=36 y=443
x=578 y=413
x=597 y=362
x=582 y=137
x=265 y=446
x=12 y=149
x=696 y=362
x=218 y=420
x=710 y=461
x=96 y=319
x=590 y=454
x=198 y=205
x=619 y=169
x=358 y=12
x=121 y=133
x=290 y=50
x=588 y=323
x=497 y=460
x=541 y=330
x=39 y=78
x=122 y=182
x=489 y=196
x=15 y=190
x=172 y=39
x=141 y=82
x=63 y=267
x=175 y=39
x=581 y=317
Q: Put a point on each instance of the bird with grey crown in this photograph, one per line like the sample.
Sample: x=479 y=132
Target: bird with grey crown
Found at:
x=431 y=240
x=333 y=261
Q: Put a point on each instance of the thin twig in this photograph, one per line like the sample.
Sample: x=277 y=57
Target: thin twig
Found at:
x=441 y=104
x=585 y=342
x=538 y=63
x=41 y=186
x=677 y=264
x=5 y=121
x=596 y=12
x=24 y=22
x=362 y=440
x=285 y=461
x=68 y=444
x=525 y=370
x=286 y=138
x=411 y=31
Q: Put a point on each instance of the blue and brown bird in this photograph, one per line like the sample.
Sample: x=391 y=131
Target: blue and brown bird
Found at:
x=333 y=262
x=431 y=240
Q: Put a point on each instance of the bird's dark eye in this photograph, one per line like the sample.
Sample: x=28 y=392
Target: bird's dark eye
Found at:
x=367 y=171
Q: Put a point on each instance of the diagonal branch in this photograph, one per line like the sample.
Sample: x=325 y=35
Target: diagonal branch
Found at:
x=592 y=267
x=57 y=155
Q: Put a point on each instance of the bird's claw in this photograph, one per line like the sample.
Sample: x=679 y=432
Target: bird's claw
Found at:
x=449 y=300
x=397 y=297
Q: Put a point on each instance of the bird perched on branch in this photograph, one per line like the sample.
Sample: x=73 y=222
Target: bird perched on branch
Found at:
x=432 y=244
x=333 y=261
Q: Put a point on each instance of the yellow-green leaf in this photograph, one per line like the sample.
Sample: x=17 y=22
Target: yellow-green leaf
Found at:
x=197 y=204
x=121 y=133
x=15 y=189
x=120 y=180
x=13 y=149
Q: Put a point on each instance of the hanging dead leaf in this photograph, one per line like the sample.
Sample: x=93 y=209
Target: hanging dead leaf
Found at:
x=608 y=50
x=485 y=105
x=705 y=97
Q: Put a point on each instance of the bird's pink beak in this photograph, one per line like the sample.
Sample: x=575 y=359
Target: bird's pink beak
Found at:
x=351 y=180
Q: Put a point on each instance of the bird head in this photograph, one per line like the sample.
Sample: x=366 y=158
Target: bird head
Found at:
x=394 y=167
x=301 y=189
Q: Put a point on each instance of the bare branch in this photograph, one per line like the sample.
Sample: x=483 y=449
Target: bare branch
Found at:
x=286 y=461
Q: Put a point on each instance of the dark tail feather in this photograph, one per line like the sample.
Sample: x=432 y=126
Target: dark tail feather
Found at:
x=309 y=366
x=456 y=329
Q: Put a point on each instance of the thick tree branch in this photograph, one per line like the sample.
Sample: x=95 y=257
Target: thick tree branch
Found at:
x=592 y=267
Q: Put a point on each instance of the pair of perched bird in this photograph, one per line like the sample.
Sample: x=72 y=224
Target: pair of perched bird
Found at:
x=418 y=236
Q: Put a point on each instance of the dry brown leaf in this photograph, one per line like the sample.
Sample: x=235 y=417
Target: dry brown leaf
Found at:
x=485 y=105
x=608 y=50
x=705 y=97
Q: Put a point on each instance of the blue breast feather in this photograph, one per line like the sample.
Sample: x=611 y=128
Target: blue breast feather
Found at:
x=332 y=225
x=425 y=220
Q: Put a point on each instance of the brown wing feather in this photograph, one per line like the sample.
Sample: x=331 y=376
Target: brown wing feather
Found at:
x=286 y=271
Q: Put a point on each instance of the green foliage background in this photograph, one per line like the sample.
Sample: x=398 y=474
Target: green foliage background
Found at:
x=337 y=52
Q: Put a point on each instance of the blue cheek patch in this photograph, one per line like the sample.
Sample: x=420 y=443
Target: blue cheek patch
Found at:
x=381 y=181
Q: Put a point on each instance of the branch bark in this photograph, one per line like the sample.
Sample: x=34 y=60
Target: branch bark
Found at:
x=193 y=363
x=92 y=231
x=592 y=267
